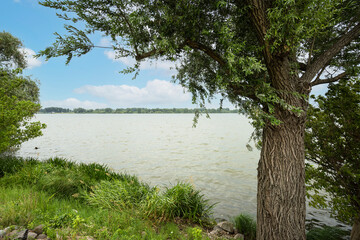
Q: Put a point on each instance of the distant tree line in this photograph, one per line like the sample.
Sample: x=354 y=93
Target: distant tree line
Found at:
x=135 y=110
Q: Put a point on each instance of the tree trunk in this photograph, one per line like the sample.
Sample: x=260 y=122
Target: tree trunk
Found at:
x=281 y=180
x=355 y=232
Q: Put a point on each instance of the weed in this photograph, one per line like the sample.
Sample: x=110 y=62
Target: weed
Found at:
x=195 y=233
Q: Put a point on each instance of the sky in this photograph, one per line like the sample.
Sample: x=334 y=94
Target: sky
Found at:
x=93 y=80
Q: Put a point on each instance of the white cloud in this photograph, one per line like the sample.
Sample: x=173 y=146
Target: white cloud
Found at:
x=73 y=103
x=156 y=92
x=105 y=42
x=30 y=59
x=166 y=65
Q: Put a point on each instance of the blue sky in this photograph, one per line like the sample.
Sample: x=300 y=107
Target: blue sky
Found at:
x=93 y=80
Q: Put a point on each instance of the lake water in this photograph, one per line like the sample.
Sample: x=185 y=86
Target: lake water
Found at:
x=163 y=149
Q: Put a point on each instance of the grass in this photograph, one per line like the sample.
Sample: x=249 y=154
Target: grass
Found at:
x=77 y=200
x=246 y=225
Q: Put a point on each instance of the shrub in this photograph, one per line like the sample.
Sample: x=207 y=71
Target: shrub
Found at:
x=326 y=233
x=181 y=200
x=246 y=225
x=188 y=202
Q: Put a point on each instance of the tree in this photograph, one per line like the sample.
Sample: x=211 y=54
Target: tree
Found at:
x=79 y=110
x=262 y=55
x=332 y=142
x=19 y=97
x=10 y=54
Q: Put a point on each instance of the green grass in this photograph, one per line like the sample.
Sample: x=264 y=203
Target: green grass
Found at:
x=77 y=200
x=246 y=225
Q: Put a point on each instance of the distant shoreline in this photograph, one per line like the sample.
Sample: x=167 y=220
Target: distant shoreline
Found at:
x=56 y=110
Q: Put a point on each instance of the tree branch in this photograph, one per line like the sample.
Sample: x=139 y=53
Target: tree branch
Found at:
x=144 y=55
x=319 y=81
x=210 y=52
x=129 y=26
x=325 y=57
x=302 y=66
x=311 y=51
x=190 y=43
x=95 y=46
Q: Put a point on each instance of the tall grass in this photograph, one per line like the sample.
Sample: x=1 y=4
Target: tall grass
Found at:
x=97 y=185
x=246 y=225
x=181 y=200
x=69 y=219
x=117 y=194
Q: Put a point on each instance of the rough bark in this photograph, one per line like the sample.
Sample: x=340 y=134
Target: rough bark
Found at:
x=281 y=181
x=355 y=232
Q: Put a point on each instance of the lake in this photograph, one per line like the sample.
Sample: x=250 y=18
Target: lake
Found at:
x=162 y=149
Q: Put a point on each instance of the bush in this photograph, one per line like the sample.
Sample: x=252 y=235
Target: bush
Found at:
x=326 y=233
x=246 y=225
x=182 y=200
x=188 y=202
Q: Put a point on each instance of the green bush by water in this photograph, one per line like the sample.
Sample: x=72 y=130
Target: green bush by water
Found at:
x=326 y=233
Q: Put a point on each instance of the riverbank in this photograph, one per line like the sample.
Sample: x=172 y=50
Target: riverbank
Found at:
x=89 y=201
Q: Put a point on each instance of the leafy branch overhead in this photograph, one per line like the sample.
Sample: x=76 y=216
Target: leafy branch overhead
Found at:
x=219 y=50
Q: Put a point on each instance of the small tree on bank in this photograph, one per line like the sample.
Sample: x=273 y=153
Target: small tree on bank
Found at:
x=332 y=142
x=19 y=97
x=264 y=56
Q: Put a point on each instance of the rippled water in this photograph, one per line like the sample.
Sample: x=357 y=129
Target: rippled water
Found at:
x=162 y=149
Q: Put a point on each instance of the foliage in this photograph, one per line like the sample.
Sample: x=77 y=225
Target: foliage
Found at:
x=246 y=225
x=326 y=233
x=19 y=97
x=16 y=110
x=332 y=143
x=10 y=53
x=195 y=233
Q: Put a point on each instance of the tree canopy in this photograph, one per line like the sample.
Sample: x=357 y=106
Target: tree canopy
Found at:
x=19 y=97
x=10 y=53
x=219 y=46
x=264 y=56
x=333 y=143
